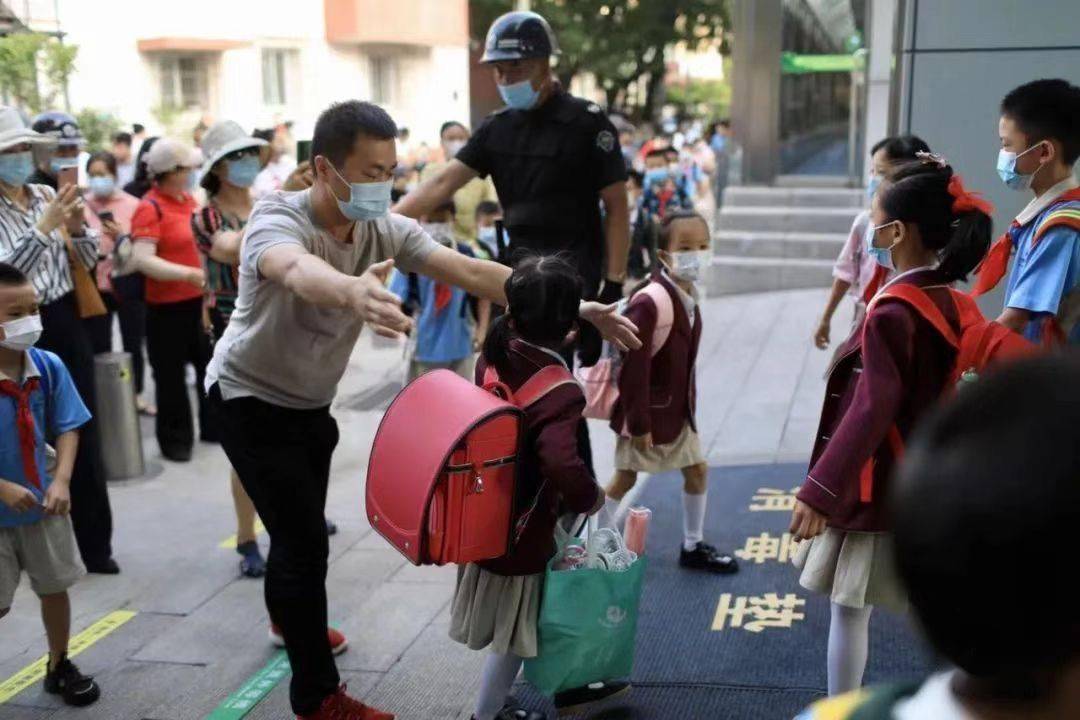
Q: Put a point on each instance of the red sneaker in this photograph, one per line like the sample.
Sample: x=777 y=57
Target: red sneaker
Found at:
x=340 y=706
x=338 y=643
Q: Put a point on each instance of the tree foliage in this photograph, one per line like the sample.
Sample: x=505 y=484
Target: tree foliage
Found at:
x=34 y=69
x=97 y=127
x=620 y=41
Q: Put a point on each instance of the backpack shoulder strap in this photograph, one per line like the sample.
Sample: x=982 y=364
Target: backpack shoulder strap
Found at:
x=541 y=384
x=917 y=298
x=44 y=368
x=157 y=207
x=1066 y=214
x=665 y=313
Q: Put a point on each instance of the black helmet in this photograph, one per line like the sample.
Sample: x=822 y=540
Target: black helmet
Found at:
x=60 y=126
x=519 y=36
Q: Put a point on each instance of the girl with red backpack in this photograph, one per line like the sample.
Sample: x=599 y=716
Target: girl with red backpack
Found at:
x=497 y=602
x=931 y=232
x=654 y=413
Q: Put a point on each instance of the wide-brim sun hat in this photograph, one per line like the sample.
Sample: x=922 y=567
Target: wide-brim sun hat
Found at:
x=223 y=138
x=14 y=130
x=168 y=154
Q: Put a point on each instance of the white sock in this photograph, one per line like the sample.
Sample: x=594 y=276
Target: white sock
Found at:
x=693 y=519
x=611 y=505
x=849 y=645
x=495 y=683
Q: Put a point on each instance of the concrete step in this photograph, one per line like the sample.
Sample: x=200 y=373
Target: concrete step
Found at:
x=787 y=219
x=733 y=275
x=814 y=246
x=759 y=195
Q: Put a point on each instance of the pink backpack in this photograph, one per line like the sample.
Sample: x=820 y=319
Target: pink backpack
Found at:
x=601 y=381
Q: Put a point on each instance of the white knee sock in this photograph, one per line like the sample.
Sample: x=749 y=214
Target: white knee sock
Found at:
x=611 y=505
x=849 y=643
x=495 y=683
x=693 y=519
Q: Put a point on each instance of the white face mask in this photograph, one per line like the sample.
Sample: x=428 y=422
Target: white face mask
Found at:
x=452 y=148
x=22 y=333
x=688 y=266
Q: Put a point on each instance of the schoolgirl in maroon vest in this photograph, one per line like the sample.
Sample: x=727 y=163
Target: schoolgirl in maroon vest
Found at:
x=931 y=233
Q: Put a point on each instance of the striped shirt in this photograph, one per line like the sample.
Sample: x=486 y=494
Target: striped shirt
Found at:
x=42 y=258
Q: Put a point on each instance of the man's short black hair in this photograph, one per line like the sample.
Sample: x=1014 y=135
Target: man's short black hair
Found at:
x=1047 y=110
x=122 y=138
x=137 y=128
x=11 y=276
x=451 y=124
x=339 y=125
x=900 y=148
x=985 y=509
x=488 y=207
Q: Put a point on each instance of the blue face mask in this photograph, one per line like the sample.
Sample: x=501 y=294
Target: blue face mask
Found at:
x=367 y=201
x=486 y=234
x=872 y=186
x=242 y=172
x=1006 y=168
x=15 y=168
x=656 y=176
x=882 y=256
x=58 y=164
x=102 y=186
x=520 y=95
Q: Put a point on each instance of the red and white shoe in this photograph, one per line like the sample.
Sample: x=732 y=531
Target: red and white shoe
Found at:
x=340 y=706
x=338 y=643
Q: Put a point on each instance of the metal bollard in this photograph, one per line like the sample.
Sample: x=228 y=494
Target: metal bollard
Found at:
x=117 y=418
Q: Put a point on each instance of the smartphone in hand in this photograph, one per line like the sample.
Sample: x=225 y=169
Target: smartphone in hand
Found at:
x=67 y=176
x=303 y=150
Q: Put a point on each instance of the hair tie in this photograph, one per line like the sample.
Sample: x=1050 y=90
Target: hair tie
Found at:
x=929 y=157
x=965 y=201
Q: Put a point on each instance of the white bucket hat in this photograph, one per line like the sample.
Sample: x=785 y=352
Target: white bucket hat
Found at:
x=223 y=138
x=14 y=130
x=169 y=154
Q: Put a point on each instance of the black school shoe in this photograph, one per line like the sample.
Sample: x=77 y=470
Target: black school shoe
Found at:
x=574 y=701
x=107 y=566
x=74 y=687
x=706 y=557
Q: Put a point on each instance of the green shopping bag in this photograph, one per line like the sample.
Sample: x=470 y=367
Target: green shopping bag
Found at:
x=588 y=621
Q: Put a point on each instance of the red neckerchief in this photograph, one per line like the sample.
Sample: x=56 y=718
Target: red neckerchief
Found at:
x=996 y=263
x=24 y=421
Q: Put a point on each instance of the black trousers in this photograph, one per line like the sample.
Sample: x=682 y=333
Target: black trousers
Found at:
x=63 y=333
x=283 y=459
x=175 y=337
x=132 y=315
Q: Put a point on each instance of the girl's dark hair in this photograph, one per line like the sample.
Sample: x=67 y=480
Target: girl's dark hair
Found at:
x=211 y=182
x=543 y=293
x=141 y=184
x=106 y=157
x=672 y=217
x=918 y=193
x=900 y=148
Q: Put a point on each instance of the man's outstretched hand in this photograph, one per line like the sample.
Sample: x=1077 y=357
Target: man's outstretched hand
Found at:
x=616 y=328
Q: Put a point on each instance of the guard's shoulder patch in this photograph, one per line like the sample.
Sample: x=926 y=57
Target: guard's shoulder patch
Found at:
x=593 y=108
x=605 y=140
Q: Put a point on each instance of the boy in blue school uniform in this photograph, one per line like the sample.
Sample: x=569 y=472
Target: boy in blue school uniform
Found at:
x=1040 y=143
x=446 y=335
x=37 y=400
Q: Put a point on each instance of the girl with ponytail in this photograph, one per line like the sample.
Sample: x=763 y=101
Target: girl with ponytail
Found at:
x=931 y=232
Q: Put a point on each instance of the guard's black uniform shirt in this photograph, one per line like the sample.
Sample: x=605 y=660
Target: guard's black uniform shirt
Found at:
x=549 y=165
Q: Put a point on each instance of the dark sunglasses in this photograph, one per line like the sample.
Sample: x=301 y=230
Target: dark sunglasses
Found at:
x=242 y=153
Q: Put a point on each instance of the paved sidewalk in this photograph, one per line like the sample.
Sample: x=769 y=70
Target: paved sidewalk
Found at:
x=199 y=631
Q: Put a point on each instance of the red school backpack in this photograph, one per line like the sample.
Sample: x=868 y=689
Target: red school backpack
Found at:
x=980 y=345
x=601 y=381
x=442 y=473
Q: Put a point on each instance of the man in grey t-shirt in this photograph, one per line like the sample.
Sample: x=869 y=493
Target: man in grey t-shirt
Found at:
x=313 y=268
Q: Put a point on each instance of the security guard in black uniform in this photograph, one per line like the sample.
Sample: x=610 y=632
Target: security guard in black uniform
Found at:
x=555 y=159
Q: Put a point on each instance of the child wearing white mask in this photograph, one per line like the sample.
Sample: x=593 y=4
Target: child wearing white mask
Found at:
x=654 y=414
x=38 y=399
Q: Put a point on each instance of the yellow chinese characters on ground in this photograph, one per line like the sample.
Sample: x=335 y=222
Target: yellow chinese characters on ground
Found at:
x=772 y=500
x=755 y=613
x=764 y=547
